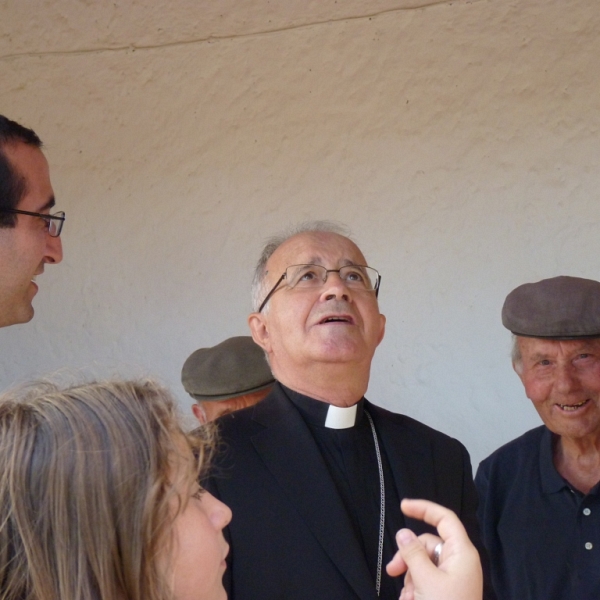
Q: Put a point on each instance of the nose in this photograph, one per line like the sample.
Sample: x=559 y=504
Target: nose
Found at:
x=54 y=253
x=335 y=288
x=220 y=514
x=566 y=379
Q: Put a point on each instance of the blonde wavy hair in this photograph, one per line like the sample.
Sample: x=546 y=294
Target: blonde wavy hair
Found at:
x=85 y=490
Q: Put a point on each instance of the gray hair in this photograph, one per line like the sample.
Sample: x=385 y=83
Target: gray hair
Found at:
x=259 y=290
x=515 y=354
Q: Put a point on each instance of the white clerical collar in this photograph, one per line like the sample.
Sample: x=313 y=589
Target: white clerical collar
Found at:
x=323 y=414
x=340 y=417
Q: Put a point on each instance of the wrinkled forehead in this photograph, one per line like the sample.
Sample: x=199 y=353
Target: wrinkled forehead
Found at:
x=545 y=347
x=330 y=250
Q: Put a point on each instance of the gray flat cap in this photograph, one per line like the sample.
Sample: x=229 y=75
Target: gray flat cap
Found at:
x=560 y=308
x=232 y=368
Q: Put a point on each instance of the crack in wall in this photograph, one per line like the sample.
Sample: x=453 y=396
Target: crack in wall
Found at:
x=218 y=38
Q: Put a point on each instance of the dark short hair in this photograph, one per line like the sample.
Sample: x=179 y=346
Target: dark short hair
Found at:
x=12 y=185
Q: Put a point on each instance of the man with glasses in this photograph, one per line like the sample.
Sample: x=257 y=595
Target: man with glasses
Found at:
x=315 y=473
x=29 y=234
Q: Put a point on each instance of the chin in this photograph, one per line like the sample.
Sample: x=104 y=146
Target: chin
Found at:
x=28 y=316
x=23 y=316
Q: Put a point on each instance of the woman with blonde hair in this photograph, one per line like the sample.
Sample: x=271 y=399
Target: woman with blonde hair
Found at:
x=99 y=498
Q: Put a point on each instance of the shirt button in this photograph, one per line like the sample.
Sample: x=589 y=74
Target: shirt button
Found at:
x=587 y=512
x=589 y=545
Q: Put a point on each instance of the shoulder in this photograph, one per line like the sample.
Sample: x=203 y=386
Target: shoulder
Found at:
x=238 y=423
x=524 y=445
x=410 y=427
x=512 y=460
x=430 y=451
x=241 y=425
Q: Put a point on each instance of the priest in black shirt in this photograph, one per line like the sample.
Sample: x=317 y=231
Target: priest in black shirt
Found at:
x=314 y=474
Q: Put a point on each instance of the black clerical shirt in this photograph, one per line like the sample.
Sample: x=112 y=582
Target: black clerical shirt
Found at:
x=351 y=458
x=542 y=536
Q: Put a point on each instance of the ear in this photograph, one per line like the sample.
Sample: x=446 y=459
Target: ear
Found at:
x=382 y=321
x=260 y=331
x=199 y=413
x=518 y=368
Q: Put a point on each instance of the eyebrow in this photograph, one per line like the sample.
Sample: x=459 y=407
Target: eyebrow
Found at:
x=538 y=356
x=344 y=262
x=51 y=202
x=584 y=348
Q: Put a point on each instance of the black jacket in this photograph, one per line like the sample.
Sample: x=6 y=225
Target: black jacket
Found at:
x=290 y=535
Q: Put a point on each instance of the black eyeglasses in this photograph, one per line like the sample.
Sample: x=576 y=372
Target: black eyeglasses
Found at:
x=359 y=277
x=55 y=222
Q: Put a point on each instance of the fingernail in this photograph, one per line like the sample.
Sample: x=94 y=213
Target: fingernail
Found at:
x=404 y=537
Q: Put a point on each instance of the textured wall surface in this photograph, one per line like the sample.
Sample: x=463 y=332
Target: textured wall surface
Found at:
x=458 y=140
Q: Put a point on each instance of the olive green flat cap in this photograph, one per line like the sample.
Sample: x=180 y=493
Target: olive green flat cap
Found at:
x=232 y=368
x=560 y=308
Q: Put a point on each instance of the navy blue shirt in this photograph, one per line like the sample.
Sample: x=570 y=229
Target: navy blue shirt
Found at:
x=542 y=535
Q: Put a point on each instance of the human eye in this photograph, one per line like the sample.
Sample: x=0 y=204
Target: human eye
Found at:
x=199 y=493
x=306 y=275
x=354 y=275
x=584 y=357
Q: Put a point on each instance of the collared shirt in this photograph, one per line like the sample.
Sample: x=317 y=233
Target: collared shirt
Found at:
x=352 y=462
x=542 y=535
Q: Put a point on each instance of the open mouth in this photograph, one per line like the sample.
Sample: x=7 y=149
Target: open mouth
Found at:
x=337 y=319
x=572 y=407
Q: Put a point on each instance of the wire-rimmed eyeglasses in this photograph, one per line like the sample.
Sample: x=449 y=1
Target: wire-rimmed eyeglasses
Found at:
x=359 y=277
x=54 y=222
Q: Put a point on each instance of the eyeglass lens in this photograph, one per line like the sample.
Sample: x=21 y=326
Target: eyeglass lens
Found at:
x=55 y=225
x=355 y=276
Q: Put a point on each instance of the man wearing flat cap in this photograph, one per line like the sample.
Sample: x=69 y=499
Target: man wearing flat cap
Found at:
x=540 y=494
x=227 y=377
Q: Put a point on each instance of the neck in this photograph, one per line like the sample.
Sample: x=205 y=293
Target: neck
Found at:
x=334 y=383
x=578 y=461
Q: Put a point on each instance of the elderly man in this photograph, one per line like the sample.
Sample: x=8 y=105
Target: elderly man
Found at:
x=227 y=377
x=539 y=494
x=29 y=234
x=314 y=473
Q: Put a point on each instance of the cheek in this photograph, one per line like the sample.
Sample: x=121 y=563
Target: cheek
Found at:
x=537 y=391
x=590 y=380
x=197 y=556
x=286 y=321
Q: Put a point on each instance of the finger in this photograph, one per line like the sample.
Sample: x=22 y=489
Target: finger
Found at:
x=397 y=566
x=430 y=541
x=443 y=519
x=415 y=556
x=409 y=588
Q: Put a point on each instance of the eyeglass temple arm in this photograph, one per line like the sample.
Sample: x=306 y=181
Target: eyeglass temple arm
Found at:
x=272 y=291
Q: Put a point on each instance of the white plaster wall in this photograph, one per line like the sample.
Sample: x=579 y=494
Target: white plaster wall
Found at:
x=459 y=142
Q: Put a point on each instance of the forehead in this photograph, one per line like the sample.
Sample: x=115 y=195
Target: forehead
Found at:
x=327 y=249
x=31 y=164
x=541 y=347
